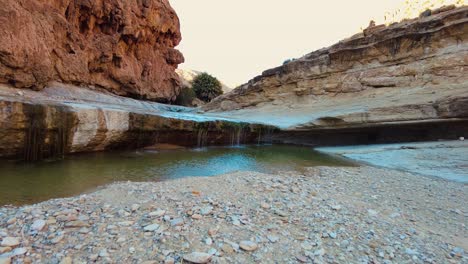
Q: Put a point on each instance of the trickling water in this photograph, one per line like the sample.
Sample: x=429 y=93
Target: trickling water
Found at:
x=202 y=137
x=29 y=183
x=264 y=135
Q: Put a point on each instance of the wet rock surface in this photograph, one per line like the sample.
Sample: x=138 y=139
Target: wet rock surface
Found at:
x=65 y=119
x=445 y=159
x=126 y=47
x=317 y=215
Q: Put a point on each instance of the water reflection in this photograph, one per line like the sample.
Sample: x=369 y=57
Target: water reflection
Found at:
x=29 y=183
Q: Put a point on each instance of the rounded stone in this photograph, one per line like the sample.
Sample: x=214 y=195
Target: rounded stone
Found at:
x=197 y=257
x=248 y=245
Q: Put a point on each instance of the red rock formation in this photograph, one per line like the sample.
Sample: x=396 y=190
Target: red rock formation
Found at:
x=126 y=47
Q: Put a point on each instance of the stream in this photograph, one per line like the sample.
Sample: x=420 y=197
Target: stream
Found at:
x=23 y=183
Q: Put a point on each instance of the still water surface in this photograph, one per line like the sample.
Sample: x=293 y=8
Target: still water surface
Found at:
x=31 y=183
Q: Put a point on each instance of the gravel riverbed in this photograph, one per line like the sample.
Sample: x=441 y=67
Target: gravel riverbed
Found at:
x=316 y=215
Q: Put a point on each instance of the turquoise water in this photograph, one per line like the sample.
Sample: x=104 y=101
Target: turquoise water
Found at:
x=31 y=183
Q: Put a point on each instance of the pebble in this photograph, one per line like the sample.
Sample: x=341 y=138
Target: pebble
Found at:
x=10 y=242
x=306 y=246
x=212 y=251
x=336 y=207
x=103 y=253
x=319 y=252
x=410 y=251
x=227 y=248
x=19 y=251
x=332 y=235
x=77 y=223
x=197 y=216
x=135 y=207
x=457 y=252
x=281 y=213
x=206 y=210
x=372 y=212
x=212 y=231
x=248 y=245
x=151 y=228
x=38 y=225
x=272 y=239
x=125 y=223
x=57 y=239
x=197 y=257
x=344 y=244
x=157 y=213
x=66 y=260
x=177 y=222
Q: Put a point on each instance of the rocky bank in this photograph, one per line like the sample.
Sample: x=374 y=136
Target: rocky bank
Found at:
x=409 y=73
x=317 y=215
x=63 y=119
x=125 y=47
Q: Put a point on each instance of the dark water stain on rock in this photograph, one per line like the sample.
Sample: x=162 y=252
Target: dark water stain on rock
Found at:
x=48 y=132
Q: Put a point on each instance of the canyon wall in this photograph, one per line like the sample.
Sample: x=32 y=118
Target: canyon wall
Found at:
x=126 y=47
x=409 y=72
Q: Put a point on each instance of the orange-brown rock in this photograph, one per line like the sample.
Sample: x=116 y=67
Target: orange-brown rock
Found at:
x=126 y=47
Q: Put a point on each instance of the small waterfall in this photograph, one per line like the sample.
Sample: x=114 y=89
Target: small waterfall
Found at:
x=35 y=135
x=265 y=135
x=237 y=135
x=202 y=137
x=33 y=143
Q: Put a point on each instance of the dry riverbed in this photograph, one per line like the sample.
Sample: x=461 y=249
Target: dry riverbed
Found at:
x=317 y=215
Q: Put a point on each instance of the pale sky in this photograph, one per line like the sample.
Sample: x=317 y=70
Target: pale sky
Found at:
x=235 y=40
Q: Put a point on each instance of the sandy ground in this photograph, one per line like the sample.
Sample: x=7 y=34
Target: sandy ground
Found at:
x=316 y=215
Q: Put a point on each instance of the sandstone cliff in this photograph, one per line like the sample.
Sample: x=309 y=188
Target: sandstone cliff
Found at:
x=126 y=47
x=410 y=72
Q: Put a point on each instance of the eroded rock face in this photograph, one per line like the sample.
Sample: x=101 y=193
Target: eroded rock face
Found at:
x=63 y=119
x=411 y=71
x=126 y=47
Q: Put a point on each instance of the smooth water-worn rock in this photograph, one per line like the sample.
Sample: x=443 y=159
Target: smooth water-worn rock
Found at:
x=126 y=47
x=406 y=73
x=64 y=119
x=197 y=257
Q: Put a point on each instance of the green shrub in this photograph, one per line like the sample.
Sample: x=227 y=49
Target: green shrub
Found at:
x=206 y=87
x=185 y=97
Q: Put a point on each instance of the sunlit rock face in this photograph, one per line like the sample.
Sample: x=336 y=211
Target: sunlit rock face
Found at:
x=126 y=47
x=413 y=71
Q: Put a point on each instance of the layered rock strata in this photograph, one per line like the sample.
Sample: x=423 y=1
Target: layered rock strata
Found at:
x=125 y=47
x=412 y=72
x=66 y=119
